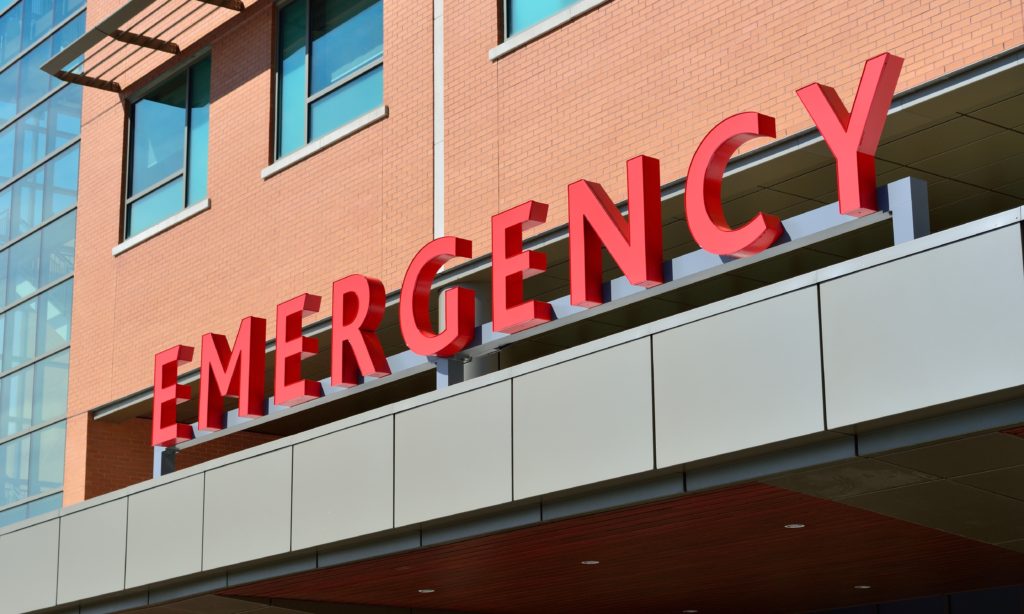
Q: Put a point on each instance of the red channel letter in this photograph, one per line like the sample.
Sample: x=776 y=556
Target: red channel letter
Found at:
x=635 y=245
x=703 y=194
x=289 y=386
x=168 y=394
x=853 y=136
x=511 y=265
x=356 y=311
x=414 y=303
x=238 y=372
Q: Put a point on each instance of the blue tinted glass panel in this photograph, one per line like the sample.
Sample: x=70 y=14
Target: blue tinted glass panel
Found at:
x=54 y=319
x=45 y=504
x=41 y=131
x=291 y=96
x=27 y=204
x=62 y=183
x=23 y=271
x=3 y=278
x=19 y=335
x=10 y=33
x=5 y=225
x=524 y=13
x=156 y=206
x=355 y=98
x=39 y=196
x=9 y=93
x=37 y=20
x=16 y=402
x=46 y=462
x=199 y=131
x=346 y=35
x=57 y=258
x=14 y=460
x=158 y=136
x=50 y=378
x=32 y=83
x=14 y=514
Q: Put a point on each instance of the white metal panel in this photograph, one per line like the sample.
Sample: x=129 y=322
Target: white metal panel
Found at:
x=740 y=379
x=344 y=484
x=904 y=335
x=584 y=421
x=454 y=455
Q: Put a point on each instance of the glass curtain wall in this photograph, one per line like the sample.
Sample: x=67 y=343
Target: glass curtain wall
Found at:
x=40 y=124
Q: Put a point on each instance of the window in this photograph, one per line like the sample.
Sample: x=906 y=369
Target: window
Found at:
x=167 y=163
x=342 y=42
x=521 y=14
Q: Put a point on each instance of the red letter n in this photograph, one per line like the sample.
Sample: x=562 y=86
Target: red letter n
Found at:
x=634 y=244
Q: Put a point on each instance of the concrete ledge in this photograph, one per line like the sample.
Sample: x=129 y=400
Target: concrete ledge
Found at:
x=538 y=30
x=147 y=234
x=324 y=142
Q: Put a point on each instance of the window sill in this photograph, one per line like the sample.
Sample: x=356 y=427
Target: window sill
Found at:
x=540 y=29
x=147 y=234
x=324 y=142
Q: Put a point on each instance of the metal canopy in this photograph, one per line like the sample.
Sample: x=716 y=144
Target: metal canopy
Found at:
x=104 y=55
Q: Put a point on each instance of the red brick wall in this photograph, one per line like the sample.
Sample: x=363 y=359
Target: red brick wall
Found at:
x=632 y=77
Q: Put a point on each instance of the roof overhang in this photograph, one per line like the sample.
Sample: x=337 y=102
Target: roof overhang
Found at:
x=107 y=54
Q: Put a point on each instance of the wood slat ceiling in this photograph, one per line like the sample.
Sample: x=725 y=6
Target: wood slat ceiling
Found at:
x=719 y=551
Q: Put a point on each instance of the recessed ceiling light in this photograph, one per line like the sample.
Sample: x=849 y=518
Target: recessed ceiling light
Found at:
x=426 y=591
x=795 y=525
x=862 y=587
x=690 y=611
x=591 y=562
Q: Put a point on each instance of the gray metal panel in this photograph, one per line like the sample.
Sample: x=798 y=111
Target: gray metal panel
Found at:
x=454 y=455
x=741 y=379
x=92 y=551
x=584 y=420
x=28 y=568
x=344 y=484
x=247 y=512
x=165 y=532
x=900 y=336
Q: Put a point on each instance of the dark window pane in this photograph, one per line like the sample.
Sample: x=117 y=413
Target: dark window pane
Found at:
x=23 y=276
x=291 y=97
x=199 y=131
x=355 y=98
x=58 y=253
x=46 y=468
x=156 y=206
x=524 y=13
x=51 y=387
x=346 y=35
x=158 y=139
x=54 y=319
